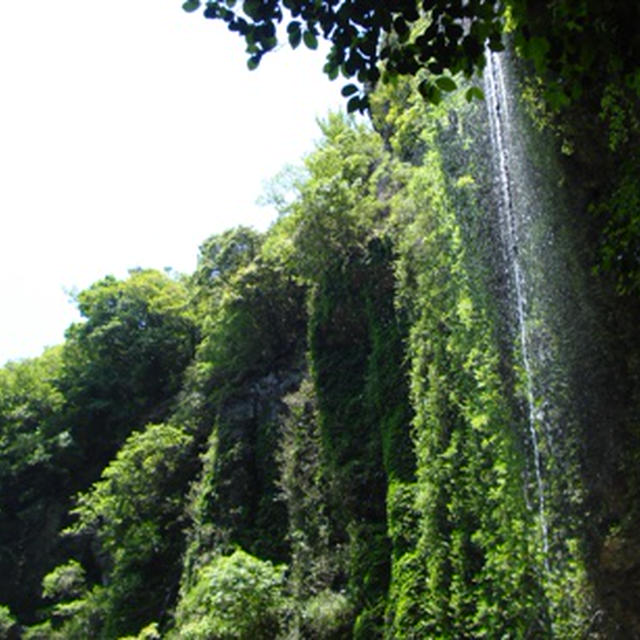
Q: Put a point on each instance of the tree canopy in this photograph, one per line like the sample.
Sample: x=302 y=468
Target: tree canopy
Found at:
x=570 y=42
x=441 y=38
x=126 y=356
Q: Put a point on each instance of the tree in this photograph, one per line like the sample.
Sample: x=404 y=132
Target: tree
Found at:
x=338 y=209
x=64 y=415
x=436 y=39
x=220 y=256
x=36 y=449
x=568 y=41
x=255 y=311
x=133 y=515
x=581 y=49
x=30 y=434
x=8 y=625
x=123 y=365
x=236 y=597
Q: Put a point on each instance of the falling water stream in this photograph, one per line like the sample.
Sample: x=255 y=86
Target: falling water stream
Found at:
x=499 y=119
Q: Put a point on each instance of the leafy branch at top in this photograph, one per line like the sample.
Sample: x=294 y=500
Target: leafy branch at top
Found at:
x=443 y=37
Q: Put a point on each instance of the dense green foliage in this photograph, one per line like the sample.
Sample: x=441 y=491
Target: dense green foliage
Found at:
x=66 y=414
x=435 y=41
x=236 y=596
x=123 y=364
x=407 y=38
x=328 y=430
x=133 y=514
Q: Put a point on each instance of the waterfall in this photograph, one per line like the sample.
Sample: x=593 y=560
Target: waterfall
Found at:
x=511 y=213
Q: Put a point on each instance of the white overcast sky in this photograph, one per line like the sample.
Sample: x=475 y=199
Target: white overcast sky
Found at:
x=129 y=132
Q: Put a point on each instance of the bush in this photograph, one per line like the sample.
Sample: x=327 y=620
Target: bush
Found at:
x=8 y=624
x=328 y=615
x=234 y=597
x=150 y=632
x=65 y=582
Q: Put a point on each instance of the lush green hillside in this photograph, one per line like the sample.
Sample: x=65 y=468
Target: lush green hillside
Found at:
x=341 y=428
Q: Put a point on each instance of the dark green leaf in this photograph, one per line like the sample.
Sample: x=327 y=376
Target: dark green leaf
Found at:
x=474 y=92
x=252 y=8
x=536 y=49
x=349 y=90
x=353 y=104
x=435 y=97
x=295 y=35
x=310 y=39
x=191 y=5
x=332 y=70
x=556 y=96
x=401 y=27
x=269 y=43
x=446 y=84
x=430 y=92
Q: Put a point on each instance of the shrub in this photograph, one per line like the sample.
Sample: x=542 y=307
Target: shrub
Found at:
x=7 y=622
x=234 y=597
x=327 y=615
